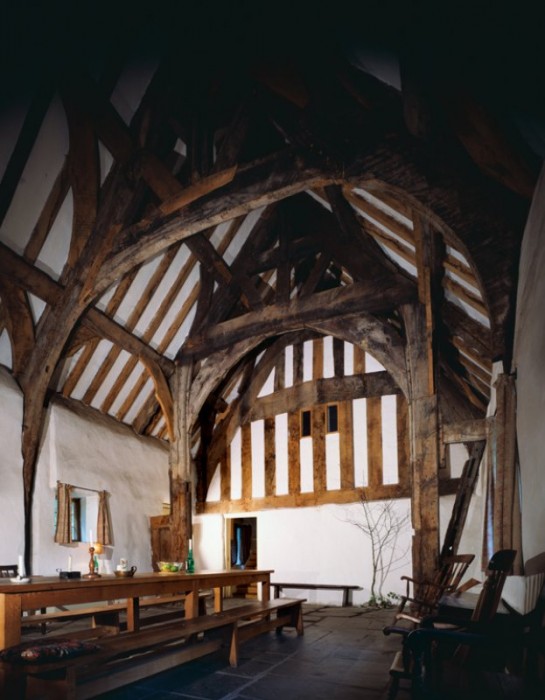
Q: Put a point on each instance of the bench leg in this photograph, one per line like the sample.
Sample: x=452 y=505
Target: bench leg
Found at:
x=233 y=649
x=58 y=689
x=12 y=684
x=109 y=620
x=297 y=619
x=347 y=598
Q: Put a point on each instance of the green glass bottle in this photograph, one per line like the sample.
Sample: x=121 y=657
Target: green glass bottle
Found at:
x=190 y=561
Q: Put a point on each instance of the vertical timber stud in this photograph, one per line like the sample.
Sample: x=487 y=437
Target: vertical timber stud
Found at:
x=180 y=467
x=424 y=445
x=420 y=322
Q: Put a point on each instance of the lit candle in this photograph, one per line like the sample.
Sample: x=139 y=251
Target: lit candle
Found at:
x=69 y=563
x=21 y=566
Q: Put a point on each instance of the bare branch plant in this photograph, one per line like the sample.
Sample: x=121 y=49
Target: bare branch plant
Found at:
x=382 y=524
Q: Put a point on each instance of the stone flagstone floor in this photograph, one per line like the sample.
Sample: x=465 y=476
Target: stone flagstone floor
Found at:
x=343 y=655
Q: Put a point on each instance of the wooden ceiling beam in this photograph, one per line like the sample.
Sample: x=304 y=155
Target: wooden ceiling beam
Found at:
x=84 y=176
x=254 y=185
x=374 y=335
x=309 y=286
x=205 y=252
x=370 y=256
x=138 y=309
x=389 y=222
x=476 y=337
x=465 y=295
x=299 y=313
x=319 y=392
x=83 y=337
x=388 y=241
x=48 y=215
x=174 y=195
x=39 y=283
x=23 y=146
x=464 y=431
x=225 y=299
x=489 y=144
x=19 y=323
x=238 y=409
x=232 y=141
x=460 y=380
x=481 y=220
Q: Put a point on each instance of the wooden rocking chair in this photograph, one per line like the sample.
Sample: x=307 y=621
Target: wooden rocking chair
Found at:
x=423 y=601
x=444 y=641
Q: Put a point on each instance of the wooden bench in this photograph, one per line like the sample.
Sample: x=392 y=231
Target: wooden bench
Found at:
x=346 y=589
x=130 y=656
x=108 y=616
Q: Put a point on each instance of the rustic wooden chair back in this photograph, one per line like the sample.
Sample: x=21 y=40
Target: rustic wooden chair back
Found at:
x=426 y=594
x=444 y=650
x=8 y=570
x=453 y=571
x=499 y=567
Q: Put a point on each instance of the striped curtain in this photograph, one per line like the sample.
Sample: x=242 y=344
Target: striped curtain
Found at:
x=104 y=526
x=63 y=532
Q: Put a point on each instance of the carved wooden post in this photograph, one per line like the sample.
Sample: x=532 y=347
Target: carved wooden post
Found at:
x=421 y=352
x=180 y=464
x=424 y=443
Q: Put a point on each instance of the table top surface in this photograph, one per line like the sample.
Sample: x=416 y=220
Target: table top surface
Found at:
x=50 y=583
x=464 y=602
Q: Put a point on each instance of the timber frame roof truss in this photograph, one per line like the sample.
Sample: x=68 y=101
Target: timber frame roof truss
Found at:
x=226 y=216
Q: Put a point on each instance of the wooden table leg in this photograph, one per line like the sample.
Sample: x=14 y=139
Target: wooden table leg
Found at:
x=133 y=614
x=192 y=603
x=10 y=620
x=218 y=599
x=266 y=590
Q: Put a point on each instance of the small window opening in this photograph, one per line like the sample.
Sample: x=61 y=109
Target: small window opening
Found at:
x=332 y=418
x=306 y=429
x=75 y=519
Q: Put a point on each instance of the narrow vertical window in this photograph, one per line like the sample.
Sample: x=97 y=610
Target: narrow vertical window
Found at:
x=332 y=418
x=305 y=424
x=75 y=519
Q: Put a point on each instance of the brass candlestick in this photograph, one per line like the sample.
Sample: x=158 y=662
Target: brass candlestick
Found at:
x=93 y=573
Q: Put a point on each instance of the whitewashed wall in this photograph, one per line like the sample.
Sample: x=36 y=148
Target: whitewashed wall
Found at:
x=93 y=453
x=530 y=366
x=319 y=544
x=11 y=465
x=316 y=545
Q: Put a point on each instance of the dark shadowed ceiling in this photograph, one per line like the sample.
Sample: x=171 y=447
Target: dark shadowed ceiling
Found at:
x=175 y=181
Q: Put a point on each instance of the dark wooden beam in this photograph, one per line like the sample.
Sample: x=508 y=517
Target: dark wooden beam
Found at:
x=281 y=318
x=23 y=146
x=321 y=391
x=19 y=323
x=34 y=280
x=254 y=185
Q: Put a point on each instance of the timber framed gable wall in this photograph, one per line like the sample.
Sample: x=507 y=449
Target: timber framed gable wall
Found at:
x=274 y=457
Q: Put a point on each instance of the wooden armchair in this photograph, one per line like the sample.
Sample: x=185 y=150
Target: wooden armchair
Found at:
x=425 y=595
x=444 y=650
x=421 y=602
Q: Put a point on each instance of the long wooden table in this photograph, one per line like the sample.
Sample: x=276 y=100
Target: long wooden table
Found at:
x=43 y=592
